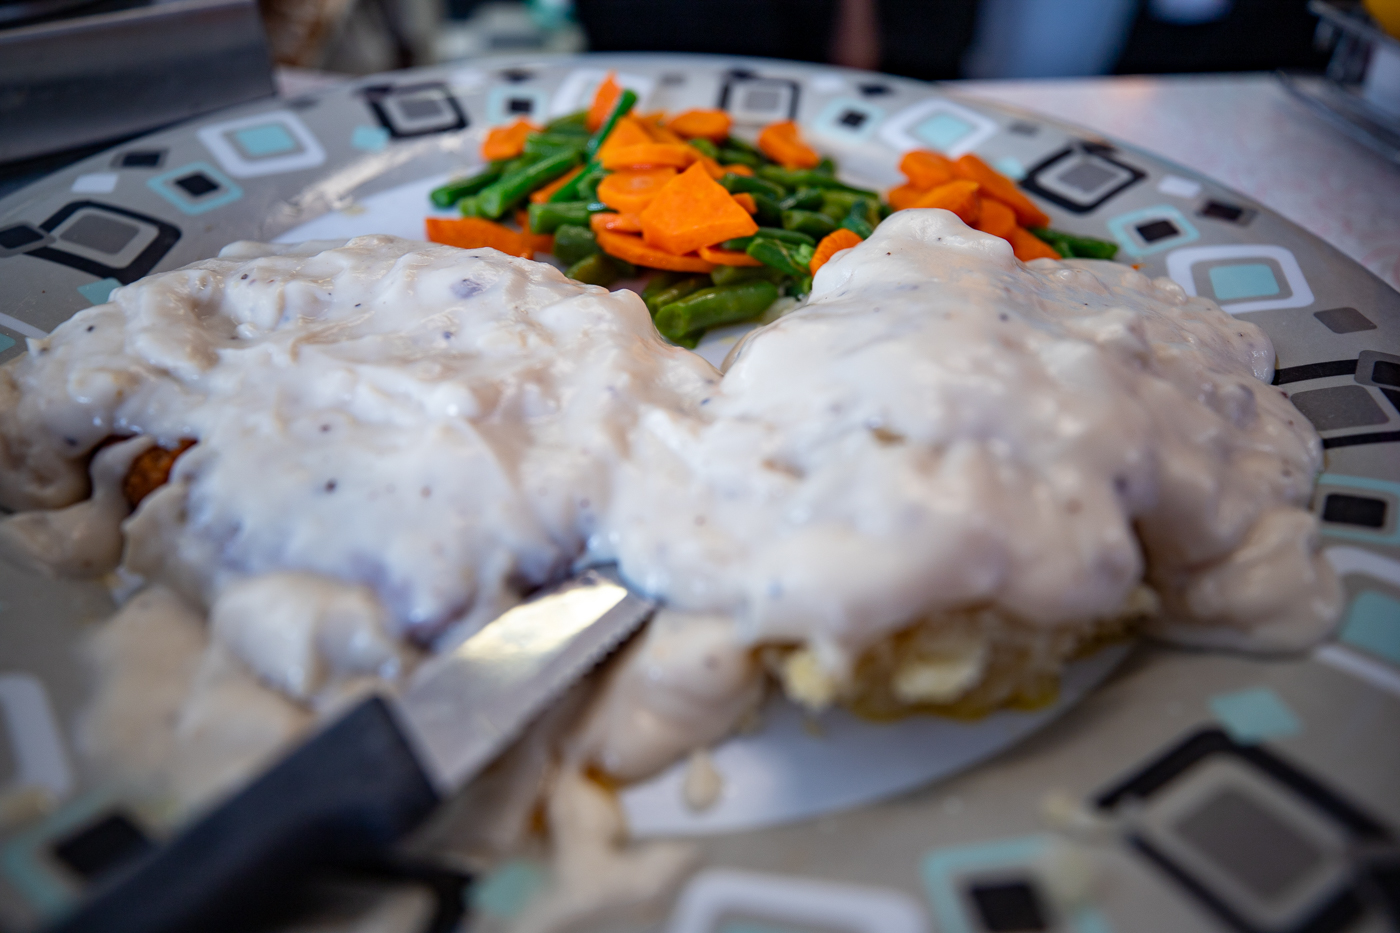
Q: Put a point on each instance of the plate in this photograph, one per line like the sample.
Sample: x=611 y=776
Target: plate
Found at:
x=361 y=157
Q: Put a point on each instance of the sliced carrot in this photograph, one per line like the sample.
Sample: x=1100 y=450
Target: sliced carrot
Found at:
x=647 y=155
x=960 y=197
x=831 y=244
x=630 y=191
x=604 y=99
x=476 y=233
x=926 y=169
x=712 y=168
x=635 y=250
x=997 y=219
x=507 y=142
x=726 y=257
x=782 y=142
x=629 y=131
x=747 y=202
x=541 y=195
x=738 y=169
x=997 y=186
x=615 y=223
x=1028 y=246
x=656 y=126
x=692 y=211
x=905 y=195
x=702 y=124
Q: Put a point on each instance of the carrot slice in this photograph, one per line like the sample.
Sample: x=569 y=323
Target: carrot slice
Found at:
x=997 y=219
x=747 y=202
x=476 y=233
x=905 y=195
x=727 y=257
x=629 y=131
x=692 y=211
x=542 y=195
x=635 y=250
x=1028 y=246
x=831 y=244
x=507 y=142
x=647 y=155
x=960 y=197
x=656 y=126
x=997 y=186
x=926 y=169
x=712 y=168
x=738 y=169
x=631 y=191
x=782 y=142
x=616 y=223
x=702 y=124
x=604 y=99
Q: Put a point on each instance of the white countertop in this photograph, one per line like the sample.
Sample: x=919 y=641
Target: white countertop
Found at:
x=1246 y=132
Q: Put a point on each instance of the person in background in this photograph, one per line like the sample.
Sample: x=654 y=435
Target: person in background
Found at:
x=941 y=39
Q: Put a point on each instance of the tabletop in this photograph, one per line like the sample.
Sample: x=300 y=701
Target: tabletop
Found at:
x=1246 y=132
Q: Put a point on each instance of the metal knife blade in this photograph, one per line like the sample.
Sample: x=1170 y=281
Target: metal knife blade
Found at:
x=466 y=706
x=346 y=795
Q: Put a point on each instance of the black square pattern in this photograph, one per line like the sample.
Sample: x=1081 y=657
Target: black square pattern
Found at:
x=1157 y=230
x=1344 y=320
x=1363 y=511
x=1008 y=906
x=19 y=236
x=198 y=184
x=99 y=847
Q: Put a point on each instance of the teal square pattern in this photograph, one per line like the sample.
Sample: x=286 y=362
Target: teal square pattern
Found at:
x=165 y=185
x=369 y=138
x=1373 y=625
x=5 y=343
x=942 y=130
x=1246 y=280
x=753 y=926
x=267 y=140
x=1254 y=715
x=100 y=291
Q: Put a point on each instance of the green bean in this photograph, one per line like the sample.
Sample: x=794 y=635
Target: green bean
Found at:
x=470 y=207
x=734 y=182
x=732 y=275
x=857 y=223
x=1076 y=247
x=769 y=214
x=809 y=222
x=549 y=216
x=705 y=146
x=827 y=166
x=799 y=178
x=457 y=189
x=511 y=189
x=659 y=283
x=676 y=291
x=748 y=148
x=596 y=269
x=573 y=124
x=625 y=102
x=804 y=199
x=588 y=183
x=771 y=233
x=547 y=144
x=573 y=242
x=728 y=156
x=801 y=286
x=789 y=258
x=711 y=307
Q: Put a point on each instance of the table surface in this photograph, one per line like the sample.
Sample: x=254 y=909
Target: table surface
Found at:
x=1243 y=131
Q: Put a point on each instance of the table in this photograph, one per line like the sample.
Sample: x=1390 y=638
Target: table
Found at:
x=1242 y=130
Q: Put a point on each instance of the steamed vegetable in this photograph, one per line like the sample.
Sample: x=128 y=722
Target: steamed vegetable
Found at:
x=722 y=226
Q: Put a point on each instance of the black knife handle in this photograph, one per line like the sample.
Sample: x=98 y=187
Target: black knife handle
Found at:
x=343 y=797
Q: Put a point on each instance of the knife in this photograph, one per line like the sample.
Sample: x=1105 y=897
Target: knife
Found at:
x=346 y=795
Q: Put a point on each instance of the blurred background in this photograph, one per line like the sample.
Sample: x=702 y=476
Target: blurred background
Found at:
x=927 y=39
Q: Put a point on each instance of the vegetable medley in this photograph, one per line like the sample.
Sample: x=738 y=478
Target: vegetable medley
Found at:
x=727 y=227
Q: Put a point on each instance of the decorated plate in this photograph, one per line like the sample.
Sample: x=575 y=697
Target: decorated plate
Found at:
x=849 y=802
